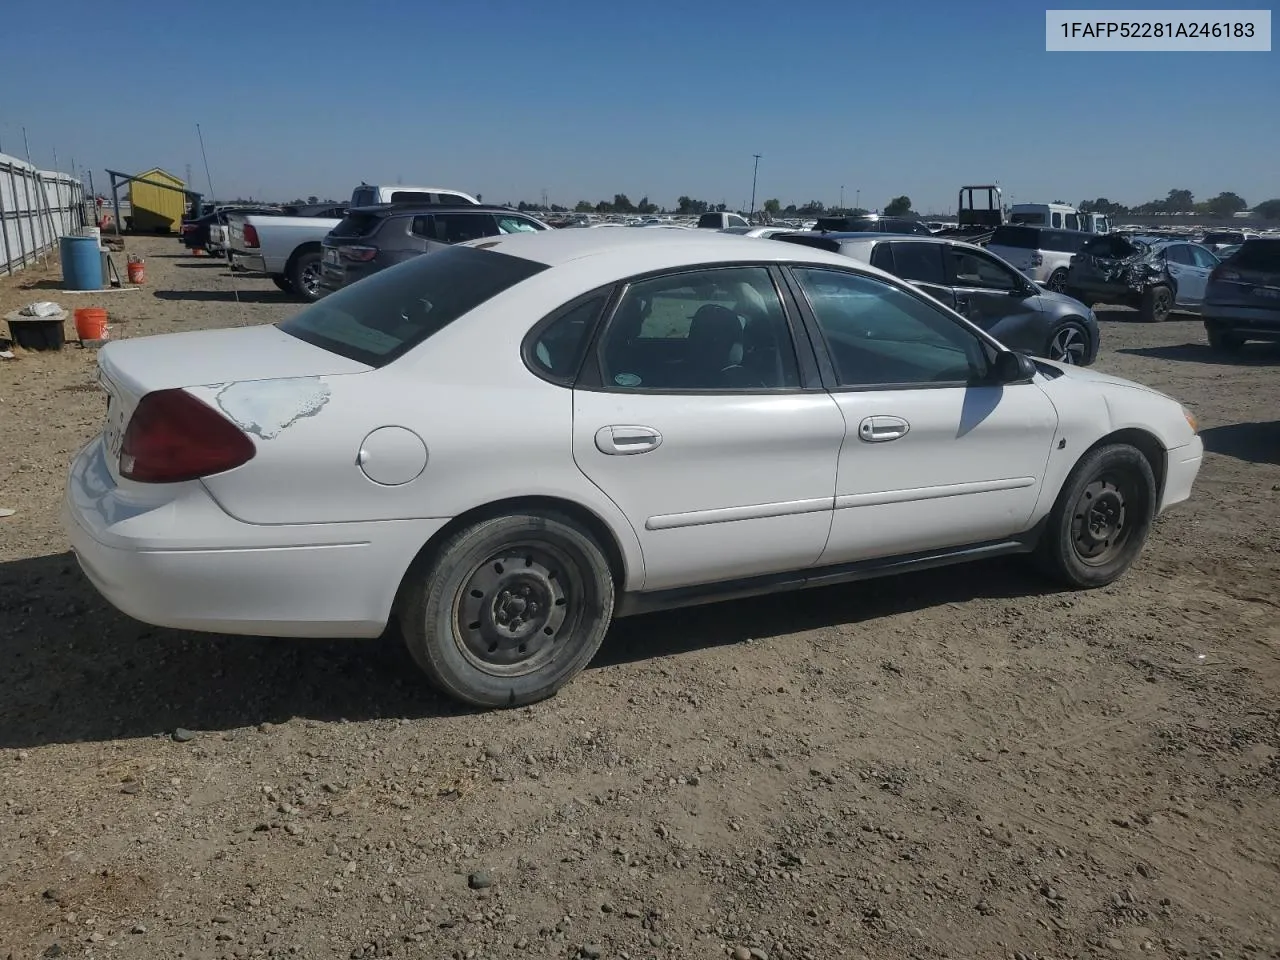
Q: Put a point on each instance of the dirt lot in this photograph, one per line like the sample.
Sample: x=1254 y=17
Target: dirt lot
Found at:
x=956 y=764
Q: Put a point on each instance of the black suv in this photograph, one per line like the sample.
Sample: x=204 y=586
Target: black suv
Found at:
x=1242 y=297
x=871 y=223
x=373 y=238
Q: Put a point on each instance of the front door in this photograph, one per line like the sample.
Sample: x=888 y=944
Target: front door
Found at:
x=995 y=297
x=1187 y=274
x=935 y=455
x=698 y=429
x=920 y=263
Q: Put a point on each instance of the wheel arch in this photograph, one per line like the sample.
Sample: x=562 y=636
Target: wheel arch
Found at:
x=1146 y=443
x=310 y=246
x=595 y=524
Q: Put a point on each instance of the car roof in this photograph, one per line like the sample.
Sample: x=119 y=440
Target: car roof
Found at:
x=375 y=209
x=658 y=249
x=864 y=237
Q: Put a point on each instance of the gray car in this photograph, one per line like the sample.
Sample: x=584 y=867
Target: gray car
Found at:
x=1022 y=315
x=370 y=239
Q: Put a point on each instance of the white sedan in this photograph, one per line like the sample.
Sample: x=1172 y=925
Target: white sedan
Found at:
x=506 y=444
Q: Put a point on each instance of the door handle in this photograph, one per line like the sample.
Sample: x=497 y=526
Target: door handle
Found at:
x=625 y=440
x=880 y=428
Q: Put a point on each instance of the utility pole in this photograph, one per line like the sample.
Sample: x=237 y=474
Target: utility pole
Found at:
x=26 y=146
x=755 y=170
x=857 y=199
x=842 y=196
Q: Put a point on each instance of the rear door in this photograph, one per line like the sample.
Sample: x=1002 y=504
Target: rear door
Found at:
x=1189 y=276
x=693 y=416
x=920 y=263
x=1203 y=262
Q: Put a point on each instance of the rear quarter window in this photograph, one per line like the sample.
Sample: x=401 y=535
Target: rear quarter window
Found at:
x=356 y=225
x=389 y=313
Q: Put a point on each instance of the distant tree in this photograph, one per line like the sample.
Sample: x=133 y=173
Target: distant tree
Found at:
x=773 y=207
x=644 y=206
x=556 y=208
x=313 y=199
x=1268 y=209
x=898 y=206
x=688 y=205
x=1102 y=205
x=721 y=207
x=811 y=208
x=1227 y=203
x=604 y=206
x=622 y=205
x=584 y=206
x=1179 y=200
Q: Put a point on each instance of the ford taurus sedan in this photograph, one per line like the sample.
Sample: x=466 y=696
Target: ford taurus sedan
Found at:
x=506 y=444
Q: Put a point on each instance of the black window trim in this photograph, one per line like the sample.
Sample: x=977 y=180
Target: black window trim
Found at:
x=831 y=383
x=940 y=245
x=591 y=379
x=529 y=345
x=953 y=280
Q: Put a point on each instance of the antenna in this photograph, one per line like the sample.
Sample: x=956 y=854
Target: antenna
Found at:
x=235 y=283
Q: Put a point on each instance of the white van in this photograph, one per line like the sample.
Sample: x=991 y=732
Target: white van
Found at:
x=1059 y=216
x=367 y=195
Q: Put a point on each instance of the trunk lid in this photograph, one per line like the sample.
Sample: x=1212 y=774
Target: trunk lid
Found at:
x=1251 y=277
x=130 y=369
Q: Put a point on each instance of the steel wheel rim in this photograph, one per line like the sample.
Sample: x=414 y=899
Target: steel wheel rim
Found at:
x=1101 y=526
x=515 y=610
x=1068 y=346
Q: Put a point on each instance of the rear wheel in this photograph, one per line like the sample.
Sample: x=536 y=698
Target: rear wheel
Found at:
x=1057 y=281
x=1102 y=517
x=1069 y=343
x=282 y=282
x=509 y=610
x=304 y=275
x=1223 y=340
x=1157 y=304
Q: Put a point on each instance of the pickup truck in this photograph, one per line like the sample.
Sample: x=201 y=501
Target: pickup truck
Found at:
x=287 y=249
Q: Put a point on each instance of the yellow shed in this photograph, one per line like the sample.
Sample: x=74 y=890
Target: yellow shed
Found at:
x=155 y=209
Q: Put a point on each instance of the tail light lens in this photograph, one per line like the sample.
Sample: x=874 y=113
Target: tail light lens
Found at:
x=1036 y=260
x=250 y=235
x=172 y=437
x=357 y=253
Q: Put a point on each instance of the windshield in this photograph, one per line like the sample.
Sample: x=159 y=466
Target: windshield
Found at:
x=387 y=314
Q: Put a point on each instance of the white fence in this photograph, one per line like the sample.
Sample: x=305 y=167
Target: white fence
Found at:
x=36 y=208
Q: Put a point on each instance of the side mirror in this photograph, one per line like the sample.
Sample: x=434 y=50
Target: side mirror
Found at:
x=1013 y=367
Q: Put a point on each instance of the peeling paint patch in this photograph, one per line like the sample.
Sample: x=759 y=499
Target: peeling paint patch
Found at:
x=266 y=408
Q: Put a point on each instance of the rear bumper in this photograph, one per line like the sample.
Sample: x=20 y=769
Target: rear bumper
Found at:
x=254 y=263
x=1258 y=323
x=1182 y=465
x=184 y=563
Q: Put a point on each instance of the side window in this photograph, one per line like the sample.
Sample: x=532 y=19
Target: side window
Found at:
x=1057 y=220
x=1073 y=222
x=877 y=334
x=716 y=329
x=882 y=257
x=1204 y=258
x=516 y=225
x=557 y=351
x=979 y=271
x=1179 y=253
x=919 y=261
x=459 y=227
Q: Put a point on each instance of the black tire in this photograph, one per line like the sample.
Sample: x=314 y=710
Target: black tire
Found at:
x=509 y=610
x=282 y=282
x=1157 y=304
x=1222 y=340
x=1057 y=281
x=1101 y=519
x=304 y=276
x=1069 y=343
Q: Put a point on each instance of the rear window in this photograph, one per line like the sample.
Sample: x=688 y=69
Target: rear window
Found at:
x=845 y=225
x=819 y=243
x=709 y=220
x=364 y=196
x=356 y=225
x=387 y=314
x=1258 y=255
x=1026 y=238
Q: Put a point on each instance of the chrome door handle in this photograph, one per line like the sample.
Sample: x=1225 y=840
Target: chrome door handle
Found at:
x=622 y=440
x=880 y=428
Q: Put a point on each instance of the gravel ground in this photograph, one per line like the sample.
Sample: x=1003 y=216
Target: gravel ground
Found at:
x=961 y=763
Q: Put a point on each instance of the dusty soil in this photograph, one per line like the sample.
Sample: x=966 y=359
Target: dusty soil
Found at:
x=956 y=764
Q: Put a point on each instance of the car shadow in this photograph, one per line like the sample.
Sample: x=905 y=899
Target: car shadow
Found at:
x=227 y=296
x=1255 y=442
x=73 y=669
x=1250 y=355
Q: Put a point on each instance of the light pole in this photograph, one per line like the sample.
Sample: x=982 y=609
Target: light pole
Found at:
x=842 y=196
x=755 y=170
x=857 y=199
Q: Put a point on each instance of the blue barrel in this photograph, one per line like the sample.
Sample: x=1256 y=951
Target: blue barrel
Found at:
x=81 y=263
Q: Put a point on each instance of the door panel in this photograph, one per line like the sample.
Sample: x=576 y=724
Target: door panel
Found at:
x=934 y=454
x=701 y=434
x=1188 y=276
x=994 y=296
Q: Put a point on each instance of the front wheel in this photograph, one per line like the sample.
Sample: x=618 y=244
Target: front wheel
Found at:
x=282 y=282
x=509 y=610
x=1069 y=344
x=1057 y=281
x=1101 y=519
x=1157 y=304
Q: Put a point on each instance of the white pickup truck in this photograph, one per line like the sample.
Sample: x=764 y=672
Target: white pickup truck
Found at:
x=287 y=249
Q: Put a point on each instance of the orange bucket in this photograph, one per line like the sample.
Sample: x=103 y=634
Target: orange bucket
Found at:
x=136 y=272
x=91 y=323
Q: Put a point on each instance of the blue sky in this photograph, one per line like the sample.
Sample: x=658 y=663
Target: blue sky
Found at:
x=505 y=98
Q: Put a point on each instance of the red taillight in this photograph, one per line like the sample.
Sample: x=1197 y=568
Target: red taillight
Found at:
x=250 y=235
x=358 y=254
x=172 y=436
